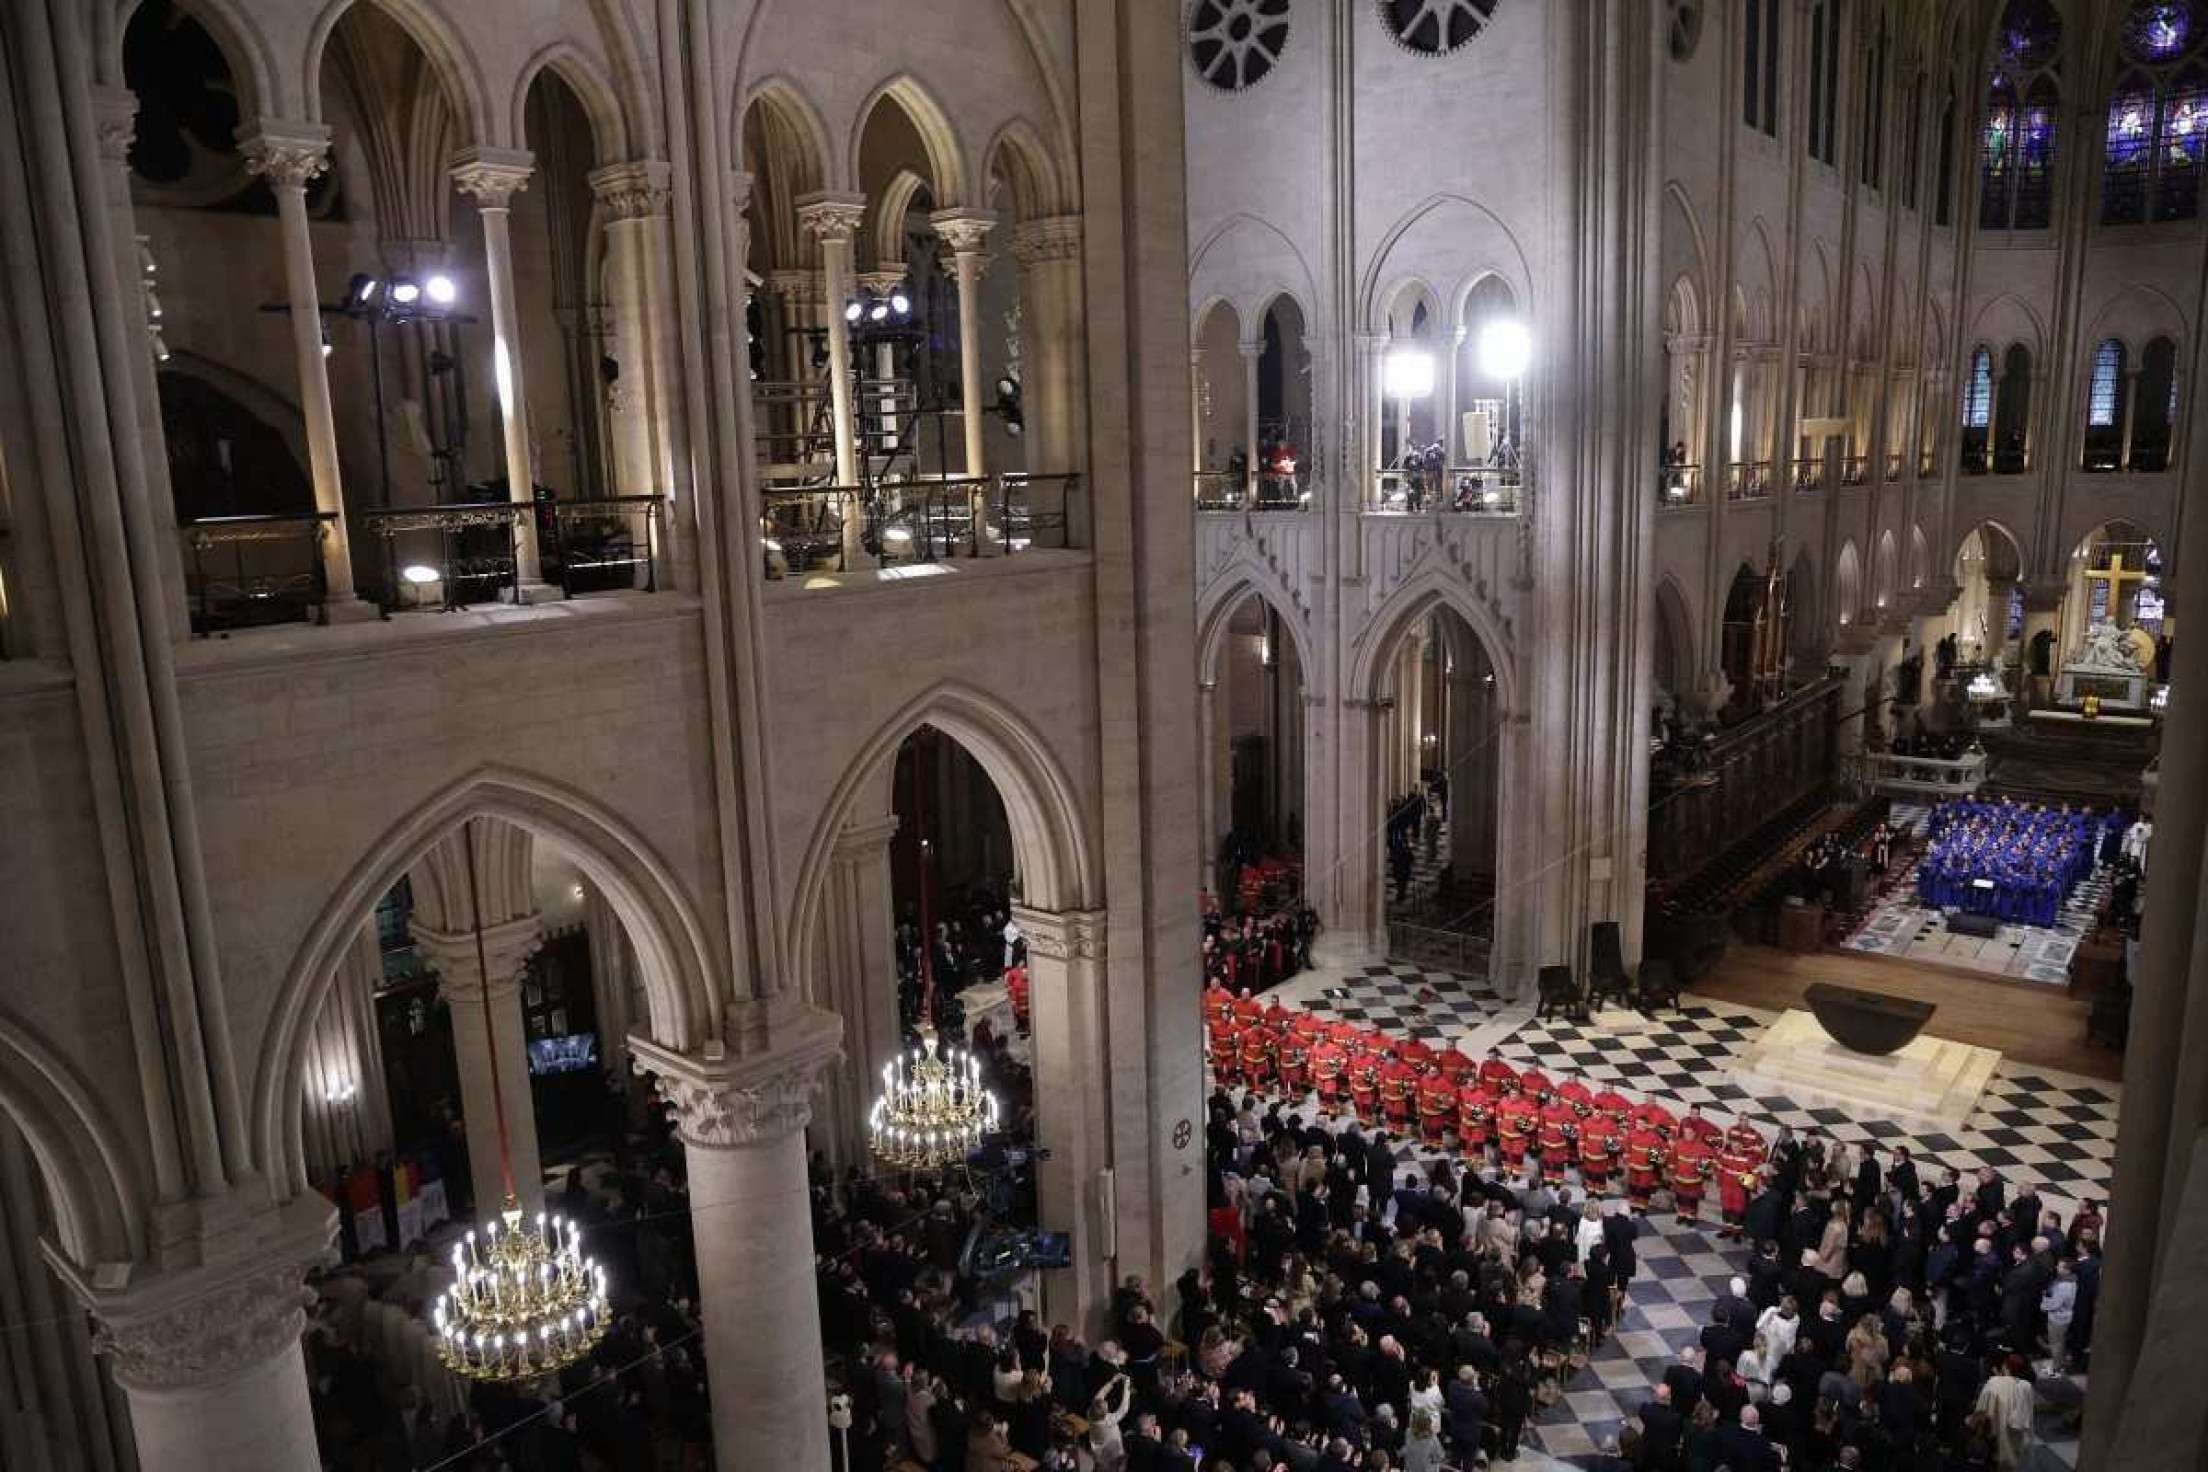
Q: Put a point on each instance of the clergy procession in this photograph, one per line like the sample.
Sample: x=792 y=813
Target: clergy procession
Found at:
x=2016 y=861
x=1495 y=1113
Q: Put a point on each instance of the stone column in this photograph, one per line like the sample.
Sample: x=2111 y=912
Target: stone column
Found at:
x=1207 y=782
x=492 y=177
x=646 y=407
x=1252 y=354
x=612 y=978
x=507 y=947
x=966 y=231
x=209 y=1356
x=833 y=220
x=1051 y=334
x=859 y=971
x=288 y=155
x=2131 y=412
x=1196 y=406
x=1065 y=967
x=1446 y=409
x=742 y=1123
x=347 y=1103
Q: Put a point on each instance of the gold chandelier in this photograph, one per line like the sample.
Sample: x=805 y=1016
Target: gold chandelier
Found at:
x=933 y=1110
x=524 y=1301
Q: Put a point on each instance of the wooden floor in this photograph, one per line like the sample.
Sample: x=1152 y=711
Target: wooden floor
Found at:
x=2026 y=1022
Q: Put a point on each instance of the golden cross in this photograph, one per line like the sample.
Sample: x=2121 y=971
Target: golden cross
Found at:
x=2116 y=575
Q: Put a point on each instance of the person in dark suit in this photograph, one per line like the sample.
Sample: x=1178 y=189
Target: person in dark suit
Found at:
x=1618 y=1232
x=1465 y=1410
x=1662 y=1430
x=1742 y=1446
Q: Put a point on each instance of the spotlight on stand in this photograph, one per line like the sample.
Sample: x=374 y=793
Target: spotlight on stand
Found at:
x=1409 y=374
x=878 y=308
x=441 y=291
x=900 y=303
x=361 y=291
x=405 y=291
x=1505 y=348
x=1007 y=406
x=853 y=310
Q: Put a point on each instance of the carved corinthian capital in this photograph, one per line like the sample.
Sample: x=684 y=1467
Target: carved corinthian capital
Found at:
x=964 y=231
x=748 y=1099
x=633 y=191
x=832 y=219
x=115 y=117
x=1056 y=238
x=209 y=1339
x=492 y=176
x=1067 y=936
x=288 y=155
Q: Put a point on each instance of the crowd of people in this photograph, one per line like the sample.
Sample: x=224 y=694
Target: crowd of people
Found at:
x=1256 y=952
x=2014 y=860
x=1413 y=825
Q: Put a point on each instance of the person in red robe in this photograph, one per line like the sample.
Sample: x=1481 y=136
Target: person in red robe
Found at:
x=1437 y=1106
x=1295 y=1064
x=1598 y=1151
x=1260 y=1056
x=1398 y=1084
x=1644 y=1162
x=1514 y=1125
x=1535 y=1085
x=1330 y=1071
x=1557 y=1135
x=1475 y=1120
x=1364 y=1082
x=1498 y=1078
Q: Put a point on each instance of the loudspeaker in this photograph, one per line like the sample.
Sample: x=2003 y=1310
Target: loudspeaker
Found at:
x=1962 y=923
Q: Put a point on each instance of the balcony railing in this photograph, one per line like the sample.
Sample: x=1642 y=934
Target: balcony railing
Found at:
x=1679 y=485
x=1894 y=462
x=1220 y=490
x=603 y=545
x=1747 y=480
x=1855 y=470
x=467 y=552
x=846 y=528
x=1469 y=490
x=1928 y=465
x=1809 y=475
x=249 y=571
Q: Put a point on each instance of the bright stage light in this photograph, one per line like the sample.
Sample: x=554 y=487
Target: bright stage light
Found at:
x=1505 y=350
x=879 y=312
x=442 y=291
x=418 y=574
x=852 y=311
x=1409 y=374
x=900 y=303
x=406 y=291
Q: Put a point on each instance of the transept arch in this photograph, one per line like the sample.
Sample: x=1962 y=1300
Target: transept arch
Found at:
x=674 y=956
x=601 y=103
x=92 y=1177
x=1416 y=598
x=1427 y=240
x=252 y=66
x=1051 y=846
x=1216 y=609
x=947 y=168
x=1018 y=156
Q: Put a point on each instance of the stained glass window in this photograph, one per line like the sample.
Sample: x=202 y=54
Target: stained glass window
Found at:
x=2161 y=30
x=2130 y=151
x=2035 y=158
x=1978 y=393
x=2017 y=153
x=2108 y=372
x=1997 y=161
x=2158 y=115
x=1751 y=68
x=2177 y=172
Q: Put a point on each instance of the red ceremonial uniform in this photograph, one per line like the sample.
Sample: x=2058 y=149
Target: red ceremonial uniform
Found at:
x=1644 y=1163
x=1398 y=1083
x=1690 y=1171
x=1437 y=1106
x=1705 y=1130
x=1498 y=1078
x=1616 y=1105
x=1475 y=1117
x=1557 y=1134
x=1598 y=1151
x=1417 y=1054
x=1248 y=1010
x=1295 y=1063
x=1514 y=1124
x=1745 y=1136
x=1330 y=1071
x=1736 y=1182
x=1225 y=1045
x=1454 y=1065
x=1260 y=1057
x=1535 y=1085
x=1651 y=1115
x=1578 y=1095
x=1218 y=1003
x=1364 y=1083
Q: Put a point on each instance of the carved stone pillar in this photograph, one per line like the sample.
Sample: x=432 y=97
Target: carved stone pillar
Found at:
x=966 y=231
x=507 y=948
x=347 y=1104
x=644 y=404
x=833 y=220
x=1207 y=782
x=859 y=971
x=742 y=1123
x=1051 y=339
x=1065 y=969
x=209 y=1357
x=288 y=156
x=492 y=177
x=612 y=980
x=1253 y=353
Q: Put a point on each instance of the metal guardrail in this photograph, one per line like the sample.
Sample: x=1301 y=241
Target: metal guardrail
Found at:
x=847 y=528
x=604 y=544
x=599 y=544
x=251 y=571
x=1467 y=490
x=1747 y=480
x=1679 y=485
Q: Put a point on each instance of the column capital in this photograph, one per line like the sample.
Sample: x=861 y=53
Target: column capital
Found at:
x=883 y=279
x=965 y=231
x=287 y=154
x=1053 y=238
x=507 y=947
x=1064 y=935
x=198 y=1326
x=1251 y=350
x=115 y=116
x=865 y=840
x=729 y=1102
x=831 y=217
x=636 y=190
x=797 y=285
x=492 y=176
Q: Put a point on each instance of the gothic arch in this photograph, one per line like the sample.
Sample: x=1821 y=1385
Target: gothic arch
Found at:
x=1675 y=628
x=1847 y=584
x=1050 y=837
x=2006 y=320
x=1696 y=268
x=1372 y=299
x=1216 y=609
x=1404 y=295
x=1271 y=297
x=672 y=950
x=1018 y=155
x=601 y=104
x=456 y=67
x=892 y=207
x=252 y=66
x=780 y=100
x=267 y=404
x=1202 y=283
x=946 y=156
x=1416 y=598
x=1758 y=285
x=94 y=1180
x=2135 y=316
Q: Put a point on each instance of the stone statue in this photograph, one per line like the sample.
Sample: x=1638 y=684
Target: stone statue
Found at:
x=2110 y=649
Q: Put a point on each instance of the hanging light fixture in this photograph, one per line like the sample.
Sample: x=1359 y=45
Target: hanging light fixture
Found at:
x=934 y=1110
x=524 y=1300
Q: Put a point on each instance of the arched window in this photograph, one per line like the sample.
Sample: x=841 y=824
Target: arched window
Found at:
x=1872 y=150
x=2104 y=408
x=2012 y=411
x=2156 y=412
x=1759 y=66
x=2016 y=162
x=1977 y=411
x=2157 y=114
x=1824 y=81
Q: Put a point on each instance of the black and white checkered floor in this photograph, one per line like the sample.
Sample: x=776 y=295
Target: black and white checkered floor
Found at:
x=2050 y=1131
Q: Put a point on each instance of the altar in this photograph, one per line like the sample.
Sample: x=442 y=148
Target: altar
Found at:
x=1926 y=1085
x=2112 y=663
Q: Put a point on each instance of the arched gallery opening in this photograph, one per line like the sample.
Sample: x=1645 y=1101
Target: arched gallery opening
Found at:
x=1987 y=617
x=1222 y=405
x=1440 y=769
x=1254 y=779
